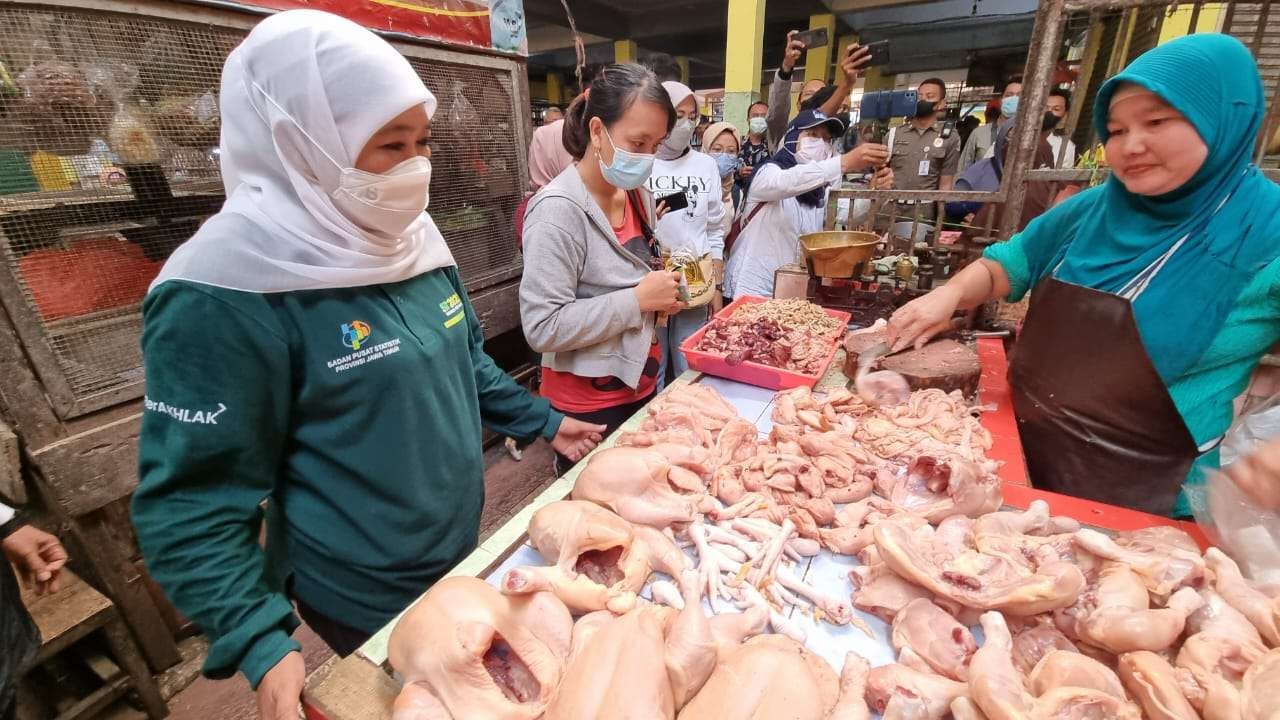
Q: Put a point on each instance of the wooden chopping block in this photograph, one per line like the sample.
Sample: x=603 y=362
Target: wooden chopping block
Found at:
x=943 y=364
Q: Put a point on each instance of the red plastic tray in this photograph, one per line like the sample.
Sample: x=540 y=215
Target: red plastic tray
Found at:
x=765 y=376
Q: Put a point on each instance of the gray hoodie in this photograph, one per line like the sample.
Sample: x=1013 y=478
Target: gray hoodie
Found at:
x=577 y=302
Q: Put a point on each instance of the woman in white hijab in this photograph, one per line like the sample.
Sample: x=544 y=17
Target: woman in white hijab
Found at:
x=695 y=230
x=313 y=346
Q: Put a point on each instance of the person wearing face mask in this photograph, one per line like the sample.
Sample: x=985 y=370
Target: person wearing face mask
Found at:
x=1059 y=103
x=788 y=196
x=721 y=142
x=982 y=140
x=755 y=146
x=696 y=231
x=594 y=292
x=815 y=94
x=312 y=346
x=1156 y=293
x=925 y=154
x=985 y=176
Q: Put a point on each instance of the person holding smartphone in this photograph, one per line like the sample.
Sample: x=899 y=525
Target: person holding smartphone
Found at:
x=854 y=58
x=694 y=231
x=788 y=198
x=594 y=286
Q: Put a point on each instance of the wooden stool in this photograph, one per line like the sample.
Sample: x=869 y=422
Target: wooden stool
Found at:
x=72 y=613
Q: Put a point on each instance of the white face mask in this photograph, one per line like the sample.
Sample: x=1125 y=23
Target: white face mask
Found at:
x=812 y=149
x=385 y=204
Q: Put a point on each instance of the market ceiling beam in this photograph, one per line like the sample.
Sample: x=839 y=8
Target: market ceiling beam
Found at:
x=848 y=6
x=590 y=16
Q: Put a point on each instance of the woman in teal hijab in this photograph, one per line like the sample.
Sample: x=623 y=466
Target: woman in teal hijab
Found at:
x=1154 y=294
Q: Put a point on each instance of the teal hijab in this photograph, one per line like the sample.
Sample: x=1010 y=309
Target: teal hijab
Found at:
x=1228 y=212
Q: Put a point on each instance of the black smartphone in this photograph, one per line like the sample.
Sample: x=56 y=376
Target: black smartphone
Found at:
x=879 y=53
x=813 y=38
x=675 y=201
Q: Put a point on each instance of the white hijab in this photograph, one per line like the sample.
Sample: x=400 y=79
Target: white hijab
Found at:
x=304 y=84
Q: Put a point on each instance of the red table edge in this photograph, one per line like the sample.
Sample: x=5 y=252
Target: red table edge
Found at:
x=993 y=391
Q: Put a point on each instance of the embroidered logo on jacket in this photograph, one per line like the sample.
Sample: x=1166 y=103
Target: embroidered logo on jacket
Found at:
x=354 y=333
x=184 y=415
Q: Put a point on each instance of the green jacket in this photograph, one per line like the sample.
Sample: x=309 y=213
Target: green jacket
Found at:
x=356 y=412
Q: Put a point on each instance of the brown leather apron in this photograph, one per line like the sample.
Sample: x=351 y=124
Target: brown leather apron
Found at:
x=1096 y=420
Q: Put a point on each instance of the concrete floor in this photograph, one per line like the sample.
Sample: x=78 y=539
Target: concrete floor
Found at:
x=509 y=485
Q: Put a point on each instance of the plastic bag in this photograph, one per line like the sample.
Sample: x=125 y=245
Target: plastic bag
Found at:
x=1248 y=533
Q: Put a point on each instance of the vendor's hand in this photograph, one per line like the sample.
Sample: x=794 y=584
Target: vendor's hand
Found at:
x=883 y=179
x=576 y=438
x=791 y=54
x=661 y=209
x=717 y=301
x=855 y=58
x=744 y=172
x=919 y=320
x=1258 y=475
x=37 y=556
x=863 y=157
x=280 y=692
x=659 y=291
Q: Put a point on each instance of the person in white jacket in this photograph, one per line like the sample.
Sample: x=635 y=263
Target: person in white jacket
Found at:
x=697 y=229
x=787 y=198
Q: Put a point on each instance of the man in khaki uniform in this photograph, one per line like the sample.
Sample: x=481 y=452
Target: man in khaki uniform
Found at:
x=925 y=154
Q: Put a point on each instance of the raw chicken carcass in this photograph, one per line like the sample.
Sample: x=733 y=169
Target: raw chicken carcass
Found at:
x=939 y=488
x=997 y=687
x=647 y=663
x=1262 y=611
x=1262 y=688
x=995 y=684
x=1117 y=615
x=772 y=676
x=882 y=592
x=1072 y=703
x=900 y=692
x=469 y=651
x=1062 y=668
x=1031 y=644
x=601 y=561
x=978 y=581
x=1156 y=686
x=640 y=486
x=944 y=644
x=1164 y=566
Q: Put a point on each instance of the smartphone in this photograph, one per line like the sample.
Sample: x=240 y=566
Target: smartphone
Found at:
x=813 y=38
x=675 y=201
x=879 y=53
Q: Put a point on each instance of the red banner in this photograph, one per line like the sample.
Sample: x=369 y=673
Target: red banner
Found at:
x=464 y=22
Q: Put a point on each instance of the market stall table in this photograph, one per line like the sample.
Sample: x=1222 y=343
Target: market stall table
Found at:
x=362 y=686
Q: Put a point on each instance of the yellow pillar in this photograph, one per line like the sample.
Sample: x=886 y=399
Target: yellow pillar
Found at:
x=875 y=79
x=1179 y=23
x=743 y=55
x=683 y=62
x=624 y=51
x=817 y=63
x=555 y=88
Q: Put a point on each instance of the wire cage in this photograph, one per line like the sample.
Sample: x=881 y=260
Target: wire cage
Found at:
x=109 y=127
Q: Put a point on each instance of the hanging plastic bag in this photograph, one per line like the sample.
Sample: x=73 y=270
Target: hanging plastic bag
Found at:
x=1233 y=519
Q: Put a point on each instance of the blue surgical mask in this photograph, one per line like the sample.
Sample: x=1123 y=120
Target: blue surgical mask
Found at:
x=1009 y=107
x=758 y=125
x=628 y=170
x=726 y=163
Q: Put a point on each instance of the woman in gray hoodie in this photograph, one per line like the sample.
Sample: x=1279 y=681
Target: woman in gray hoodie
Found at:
x=594 y=287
